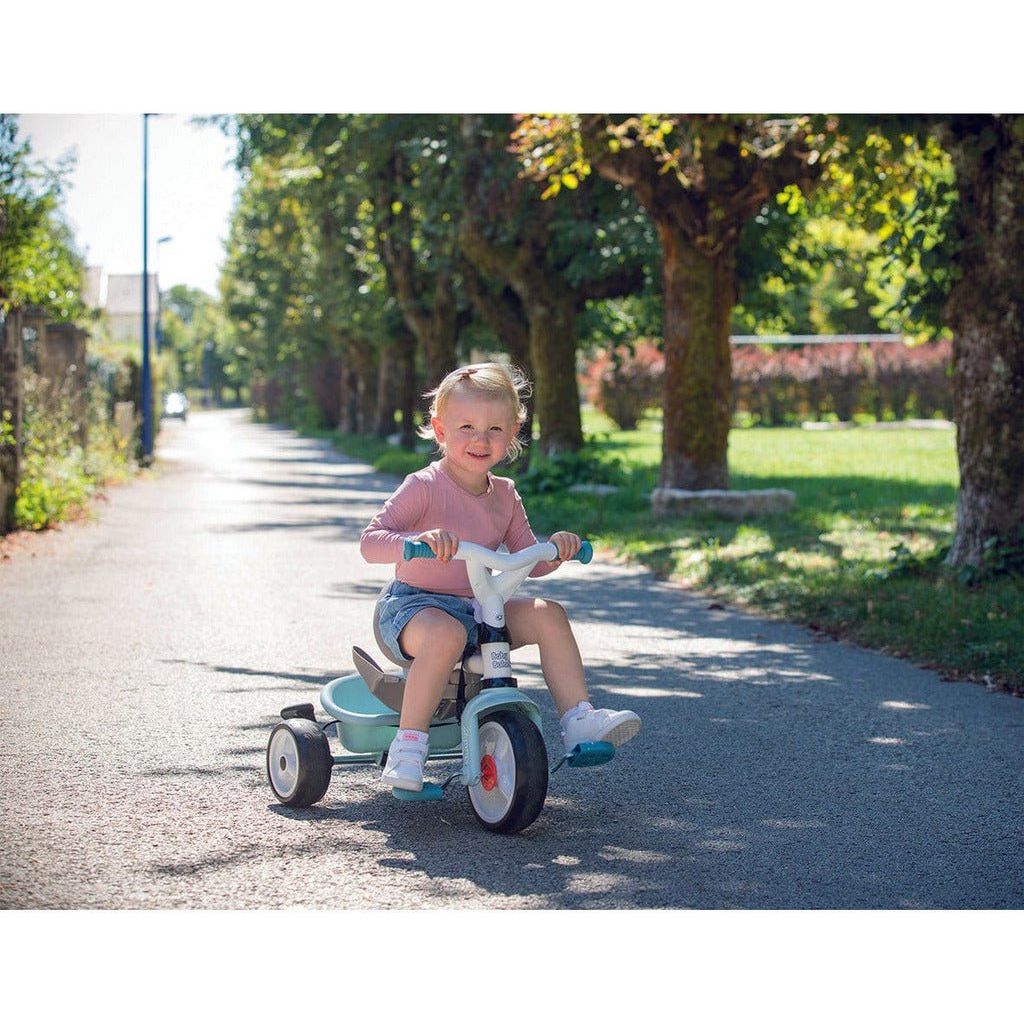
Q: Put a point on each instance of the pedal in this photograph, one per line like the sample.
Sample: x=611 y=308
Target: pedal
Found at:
x=430 y=791
x=587 y=755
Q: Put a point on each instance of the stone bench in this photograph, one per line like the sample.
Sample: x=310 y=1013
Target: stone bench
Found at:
x=666 y=501
x=599 y=489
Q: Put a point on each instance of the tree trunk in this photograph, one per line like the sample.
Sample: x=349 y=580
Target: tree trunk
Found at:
x=986 y=313
x=440 y=338
x=348 y=417
x=405 y=383
x=550 y=306
x=546 y=301
x=556 y=395
x=699 y=293
x=363 y=362
x=386 y=403
x=503 y=313
x=426 y=299
x=11 y=411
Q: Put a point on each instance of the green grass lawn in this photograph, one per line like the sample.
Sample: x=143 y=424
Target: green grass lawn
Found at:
x=850 y=559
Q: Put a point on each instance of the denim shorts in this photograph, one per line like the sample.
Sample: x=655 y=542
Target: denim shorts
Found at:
x=400 y=602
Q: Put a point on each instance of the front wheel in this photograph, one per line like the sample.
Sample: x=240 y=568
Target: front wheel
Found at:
x=513 y=773
x=299 y=762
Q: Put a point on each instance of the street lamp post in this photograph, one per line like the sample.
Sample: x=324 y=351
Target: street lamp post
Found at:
x=147 y=387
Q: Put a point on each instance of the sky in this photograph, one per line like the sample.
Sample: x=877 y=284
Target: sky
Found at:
x=272 y=62
x=191 y=189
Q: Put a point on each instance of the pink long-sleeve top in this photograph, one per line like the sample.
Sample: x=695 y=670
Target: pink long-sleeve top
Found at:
x=432 y=500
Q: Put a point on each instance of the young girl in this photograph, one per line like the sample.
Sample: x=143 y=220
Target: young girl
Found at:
x=427 y=612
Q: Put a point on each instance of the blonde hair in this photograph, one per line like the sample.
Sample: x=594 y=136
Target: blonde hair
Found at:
x=488 y=381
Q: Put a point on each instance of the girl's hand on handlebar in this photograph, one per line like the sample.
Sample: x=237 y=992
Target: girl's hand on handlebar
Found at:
x=441 y=542
x=568 y=545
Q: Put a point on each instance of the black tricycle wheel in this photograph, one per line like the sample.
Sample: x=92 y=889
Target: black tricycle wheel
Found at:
x=299 y=762
x=513 y=773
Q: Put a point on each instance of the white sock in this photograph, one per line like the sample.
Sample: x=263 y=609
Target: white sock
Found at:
x=573 y=712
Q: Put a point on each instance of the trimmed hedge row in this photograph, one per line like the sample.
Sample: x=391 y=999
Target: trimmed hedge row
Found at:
x=887 y=380
x=774 y=386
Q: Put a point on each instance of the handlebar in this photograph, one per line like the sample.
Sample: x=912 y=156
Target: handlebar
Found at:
x=545 y=552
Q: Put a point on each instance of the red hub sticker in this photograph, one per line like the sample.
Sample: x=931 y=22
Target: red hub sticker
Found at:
x=488 y=772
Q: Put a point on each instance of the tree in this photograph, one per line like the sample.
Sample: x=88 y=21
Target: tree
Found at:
x=357 y=330
x=196 y=334
x=265 y=282
x=550 y=260
x=700 y=178
x=409 y=158
x=957 y=230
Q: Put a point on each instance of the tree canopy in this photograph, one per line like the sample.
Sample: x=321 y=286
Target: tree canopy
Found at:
x=40 y=264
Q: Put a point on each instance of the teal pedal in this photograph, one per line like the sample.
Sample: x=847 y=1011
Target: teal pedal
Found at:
x=430 y=791
x=587 y=755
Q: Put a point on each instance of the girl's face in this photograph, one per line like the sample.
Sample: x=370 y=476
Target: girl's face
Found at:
x=476 y=431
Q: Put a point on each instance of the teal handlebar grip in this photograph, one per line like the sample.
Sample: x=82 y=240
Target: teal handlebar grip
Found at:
x=416 y=549
x=585 y=553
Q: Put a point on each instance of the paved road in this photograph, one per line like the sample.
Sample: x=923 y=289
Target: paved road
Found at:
x=143 y=659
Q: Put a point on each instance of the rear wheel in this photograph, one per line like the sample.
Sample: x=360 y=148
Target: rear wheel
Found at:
x=513 y=773
x=299 y=762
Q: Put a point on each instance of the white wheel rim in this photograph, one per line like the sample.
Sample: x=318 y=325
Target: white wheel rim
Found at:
x=493 y=804
x=283 y=763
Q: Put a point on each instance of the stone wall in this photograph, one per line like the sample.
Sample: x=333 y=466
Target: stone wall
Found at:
x=57 y=354
x=11 y=398
x=61 y=364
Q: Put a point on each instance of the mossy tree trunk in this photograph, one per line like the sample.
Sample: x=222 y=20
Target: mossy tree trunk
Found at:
x=556 y=398
x=503 y=312
x=550 y=306
x=387 y=403
x=405 y=385
x=363 y=357
x=699 y=293
x=547 y=304
x=986 y=313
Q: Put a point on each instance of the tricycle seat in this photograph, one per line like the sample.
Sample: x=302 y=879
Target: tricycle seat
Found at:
x=389 y=687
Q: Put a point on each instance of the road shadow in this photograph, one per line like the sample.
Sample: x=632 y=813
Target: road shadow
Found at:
x=287 y=680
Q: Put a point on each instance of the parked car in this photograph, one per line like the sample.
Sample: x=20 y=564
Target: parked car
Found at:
x=176 y=404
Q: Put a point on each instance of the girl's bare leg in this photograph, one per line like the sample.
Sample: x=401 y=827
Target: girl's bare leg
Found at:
x=436 y=641
x=545 y=623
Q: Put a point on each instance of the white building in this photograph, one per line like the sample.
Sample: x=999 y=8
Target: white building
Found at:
x=120 y=296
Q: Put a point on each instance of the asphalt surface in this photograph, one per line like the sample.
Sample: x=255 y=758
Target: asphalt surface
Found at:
x=144 y=657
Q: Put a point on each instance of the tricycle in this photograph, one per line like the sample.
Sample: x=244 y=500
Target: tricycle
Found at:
x=483 y=719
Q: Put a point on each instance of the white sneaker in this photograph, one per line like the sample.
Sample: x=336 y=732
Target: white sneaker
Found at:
x=583 y=724
x=406 y=756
